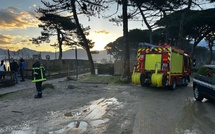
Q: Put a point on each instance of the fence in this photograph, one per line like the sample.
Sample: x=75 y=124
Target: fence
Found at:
x=55 y=68
x=8 y=79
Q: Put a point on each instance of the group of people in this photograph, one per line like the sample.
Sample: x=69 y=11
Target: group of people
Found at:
x=38 y=73
x=15 y=67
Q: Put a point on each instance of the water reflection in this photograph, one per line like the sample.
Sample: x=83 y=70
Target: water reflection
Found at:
x=194 y=119
x=80 y=126
x=23 y=132
x=75 y=121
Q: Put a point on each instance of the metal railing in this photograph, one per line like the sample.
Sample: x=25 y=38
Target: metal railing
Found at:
x=7 y=78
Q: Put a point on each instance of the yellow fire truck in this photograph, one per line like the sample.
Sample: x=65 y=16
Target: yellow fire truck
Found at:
x=161 y=66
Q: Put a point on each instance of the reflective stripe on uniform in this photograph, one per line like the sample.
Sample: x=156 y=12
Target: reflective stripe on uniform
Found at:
x=44 y=79
x=38 y=71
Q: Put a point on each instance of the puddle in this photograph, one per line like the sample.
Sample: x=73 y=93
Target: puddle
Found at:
x=93 y=115
x=23 y=132
x=98 y=108
x=72 y=121
x=78 y=124
x=194 y=119
x=188 y=131
x=81 y=125
x=58 y=131
x=98 y=122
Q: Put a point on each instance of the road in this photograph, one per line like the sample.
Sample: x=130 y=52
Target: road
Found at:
x=173 y=112
x=98 y=108
x=163 y=111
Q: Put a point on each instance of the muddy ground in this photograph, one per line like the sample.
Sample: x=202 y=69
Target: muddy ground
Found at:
x=81 y=107
x=70 y=107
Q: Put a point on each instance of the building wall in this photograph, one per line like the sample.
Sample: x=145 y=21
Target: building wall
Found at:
x=119 y=66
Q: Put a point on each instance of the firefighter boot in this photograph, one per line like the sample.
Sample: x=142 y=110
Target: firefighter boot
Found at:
x=39 y=95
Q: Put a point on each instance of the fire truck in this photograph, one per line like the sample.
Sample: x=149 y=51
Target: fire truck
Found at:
x=161 y=66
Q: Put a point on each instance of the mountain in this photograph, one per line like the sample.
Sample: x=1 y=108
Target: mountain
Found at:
x=69 y=54
x=81 y=54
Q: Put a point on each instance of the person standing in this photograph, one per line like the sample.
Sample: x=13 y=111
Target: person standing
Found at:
x=14 y=67
x=38 y=76
x=2 y=69
x=21 y=69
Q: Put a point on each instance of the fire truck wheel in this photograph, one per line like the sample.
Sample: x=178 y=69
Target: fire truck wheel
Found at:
x=142 y=80
x=173 y=87
x=147 y=84
x=164 y=79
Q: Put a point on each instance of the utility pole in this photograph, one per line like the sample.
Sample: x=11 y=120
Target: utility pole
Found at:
x=8 y=53
x=76 y=62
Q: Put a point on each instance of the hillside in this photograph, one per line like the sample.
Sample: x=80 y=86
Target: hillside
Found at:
x=69 y=54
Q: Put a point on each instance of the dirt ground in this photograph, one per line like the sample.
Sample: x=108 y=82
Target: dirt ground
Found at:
x=102 y=105
x=70 y=107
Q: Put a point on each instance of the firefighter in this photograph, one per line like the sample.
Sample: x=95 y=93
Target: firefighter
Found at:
x=38 y=76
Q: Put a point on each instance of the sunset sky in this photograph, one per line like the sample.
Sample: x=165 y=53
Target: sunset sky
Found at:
x=18 y=24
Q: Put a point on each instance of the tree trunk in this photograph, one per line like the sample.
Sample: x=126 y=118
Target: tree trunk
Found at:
x=60 y=51
x=126 y=73
x=80 y=30
x=147 y=24
x=181 y=25
x=167 y=29
x=196 y=42
x=59 y=38
x=210 y=45
x=193 y=50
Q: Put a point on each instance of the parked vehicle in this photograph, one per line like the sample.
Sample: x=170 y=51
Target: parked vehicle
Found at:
x=204 y=83
x=162 y=66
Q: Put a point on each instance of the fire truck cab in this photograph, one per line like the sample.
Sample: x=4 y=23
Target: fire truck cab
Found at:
x=161 y=66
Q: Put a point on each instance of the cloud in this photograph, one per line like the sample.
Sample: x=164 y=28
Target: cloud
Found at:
x=102 y=32
x=12 y=17
x=6 y=39
x=12 y=42
x=25 y=42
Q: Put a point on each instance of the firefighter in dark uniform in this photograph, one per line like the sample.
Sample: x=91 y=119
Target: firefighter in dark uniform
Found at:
x=38 y=76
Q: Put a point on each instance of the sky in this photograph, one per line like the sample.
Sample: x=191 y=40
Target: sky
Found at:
x=18 y=24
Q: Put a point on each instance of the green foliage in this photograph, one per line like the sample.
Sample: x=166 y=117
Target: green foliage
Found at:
x=100 y=79
x=12 y=95
x=172 y=21
x=200 y=23
x=135 y=37
x=47 y=85
x=123 y=81
x=165 y=5
x=197 y=23
x=54 y=24
x=159 y=35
